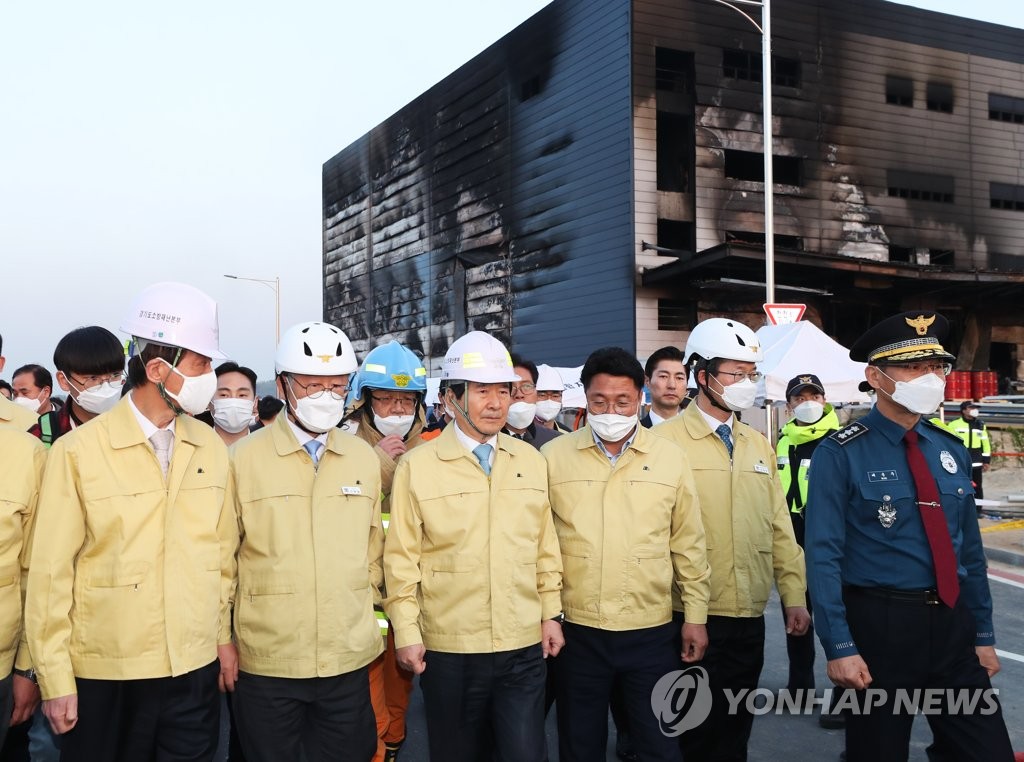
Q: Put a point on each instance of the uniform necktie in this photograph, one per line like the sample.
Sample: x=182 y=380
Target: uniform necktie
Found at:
x=313 y=447
x=483 y=454
x=725 y=434
x=934 y=520
x=161 y=441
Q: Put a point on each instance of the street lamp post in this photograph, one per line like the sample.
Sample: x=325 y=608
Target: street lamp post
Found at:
x=275 y=286
x=765 y=28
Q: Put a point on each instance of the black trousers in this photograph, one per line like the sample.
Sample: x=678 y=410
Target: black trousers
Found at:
x=733 y=660
x=800 y=648
x=322 y=718
x=915 y=645
x=159 y=719
x=6 y=705
x=486 y=706
x=589 y=667
x=976 y=476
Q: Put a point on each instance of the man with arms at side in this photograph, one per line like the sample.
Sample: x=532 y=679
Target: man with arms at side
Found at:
x=894 y=555
x=665 y=376
x=623 y=499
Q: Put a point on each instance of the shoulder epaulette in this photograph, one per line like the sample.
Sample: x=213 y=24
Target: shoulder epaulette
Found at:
x=848 y=434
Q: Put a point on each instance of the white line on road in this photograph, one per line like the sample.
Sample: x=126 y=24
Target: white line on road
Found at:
x=1006 y=581
x=1008 y=655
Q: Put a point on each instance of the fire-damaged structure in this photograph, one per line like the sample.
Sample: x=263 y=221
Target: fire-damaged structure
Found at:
x=596 y=177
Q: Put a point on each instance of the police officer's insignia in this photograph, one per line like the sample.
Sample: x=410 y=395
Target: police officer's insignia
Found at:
x=851 y=432
x=947 y=461
x=401 y=380
x=886 y=514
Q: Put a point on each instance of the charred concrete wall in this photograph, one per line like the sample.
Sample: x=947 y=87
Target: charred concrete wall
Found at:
x=496 y=201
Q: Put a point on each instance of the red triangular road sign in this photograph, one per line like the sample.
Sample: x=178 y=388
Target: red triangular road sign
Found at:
x=781 y=314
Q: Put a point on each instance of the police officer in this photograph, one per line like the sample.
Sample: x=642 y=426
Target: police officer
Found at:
x=813 y=419
x=473 y=569
x=309 y=564
x=974 y=434
x=133 y=557
x=749 y=533
x=895 y=560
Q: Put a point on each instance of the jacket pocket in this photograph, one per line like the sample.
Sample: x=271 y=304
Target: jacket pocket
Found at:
x=118 y=611
x=450 y=601
x=267 y=617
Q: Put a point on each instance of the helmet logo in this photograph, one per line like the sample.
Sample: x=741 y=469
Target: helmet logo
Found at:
x=805 y=379
x=401 y=380
x=920 y=323
x=325 y=358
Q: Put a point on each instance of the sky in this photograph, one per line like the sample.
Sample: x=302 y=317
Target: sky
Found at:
x=141 y=143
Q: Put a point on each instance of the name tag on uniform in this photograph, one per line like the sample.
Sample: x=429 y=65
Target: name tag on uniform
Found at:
x=805 y=463
x=761 y=468
x=883 y=476
x=351 y=490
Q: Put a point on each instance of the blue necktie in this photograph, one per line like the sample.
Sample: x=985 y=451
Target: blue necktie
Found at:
x=483 y=454
x=313 y=448
x=725 y=434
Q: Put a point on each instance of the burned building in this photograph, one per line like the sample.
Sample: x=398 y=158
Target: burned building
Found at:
x=596 y=177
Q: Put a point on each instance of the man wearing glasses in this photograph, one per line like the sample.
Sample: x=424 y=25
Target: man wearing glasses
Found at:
x=90 y=368
x=523 y=410
x=307 y=498
x=895 y=559
x=749 y=533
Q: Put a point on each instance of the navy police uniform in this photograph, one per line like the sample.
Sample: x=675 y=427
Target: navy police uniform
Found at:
x=872 y=577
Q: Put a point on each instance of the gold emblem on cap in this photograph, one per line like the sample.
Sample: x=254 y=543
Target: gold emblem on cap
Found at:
x=805 y=379
x=325 y=358
x=401 y=380
x=920 y=323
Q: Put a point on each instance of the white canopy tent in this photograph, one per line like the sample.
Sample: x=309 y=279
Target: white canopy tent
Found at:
x=802 y=347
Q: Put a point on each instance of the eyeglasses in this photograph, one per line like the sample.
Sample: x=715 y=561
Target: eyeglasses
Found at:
x=407 y=404
x=523 y=389
x=316 y=391
x=754 y=376
x=921 y=368
x=619 y=407
x=116 y=379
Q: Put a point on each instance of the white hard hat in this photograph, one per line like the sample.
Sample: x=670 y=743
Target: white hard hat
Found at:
x=479 y=357
x=315 y=349
x=723 y=339
x=175 y=315
x=548 y=379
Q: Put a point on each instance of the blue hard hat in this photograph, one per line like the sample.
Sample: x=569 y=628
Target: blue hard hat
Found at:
x=390 y=366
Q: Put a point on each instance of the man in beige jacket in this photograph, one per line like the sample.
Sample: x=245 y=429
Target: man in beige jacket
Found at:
x=749 y=533
x=629 y=526
x=309 y=564
x=473 y=570
x=133 y=558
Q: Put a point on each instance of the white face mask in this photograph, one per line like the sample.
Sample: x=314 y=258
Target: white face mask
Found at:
x=548 y=409
x=741 y=396
x=321 y=414
x=29 y=403
x=97 y=399
x=612 y=427
x=394 y=425
x=196 y=391
x=521 y=414
x=232 y=414
x=809 y=411
x=922 y=396
x=972 y=413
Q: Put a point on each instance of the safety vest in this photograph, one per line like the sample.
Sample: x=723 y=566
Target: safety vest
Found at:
x=975 y=438
x=793 y=452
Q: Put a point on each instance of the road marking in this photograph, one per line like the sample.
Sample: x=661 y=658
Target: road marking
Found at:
x=1002 y=526
x=1006 y=580
x=1008 y=655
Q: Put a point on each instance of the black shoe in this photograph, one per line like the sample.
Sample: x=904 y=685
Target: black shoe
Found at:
x=832 y=721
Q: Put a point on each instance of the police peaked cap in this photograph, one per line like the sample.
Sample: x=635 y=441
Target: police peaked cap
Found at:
x=904 y=338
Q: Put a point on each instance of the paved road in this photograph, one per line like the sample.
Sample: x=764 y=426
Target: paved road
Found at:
x=799 y=738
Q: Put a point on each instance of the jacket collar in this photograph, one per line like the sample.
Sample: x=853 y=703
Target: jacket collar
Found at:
x=125 y=430
x=450 y=448
x=798 y=434
x=642 y=438
x=285 y=442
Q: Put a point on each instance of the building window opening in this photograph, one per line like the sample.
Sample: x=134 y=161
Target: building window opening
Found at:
x=673 y=70
x=920 y=186
x=939 y=97
x=748 y=165
x=675 y=138
x=899 y=91
x=1005 y=108
x=1004 y=196
x=673 y=234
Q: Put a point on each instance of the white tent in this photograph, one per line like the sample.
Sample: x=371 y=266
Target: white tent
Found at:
x=802 y=347
x=572 y=387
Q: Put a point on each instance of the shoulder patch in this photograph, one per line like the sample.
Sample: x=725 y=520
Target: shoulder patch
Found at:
x=848 y=434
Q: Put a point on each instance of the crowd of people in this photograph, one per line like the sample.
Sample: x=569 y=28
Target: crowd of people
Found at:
x=167 y=536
